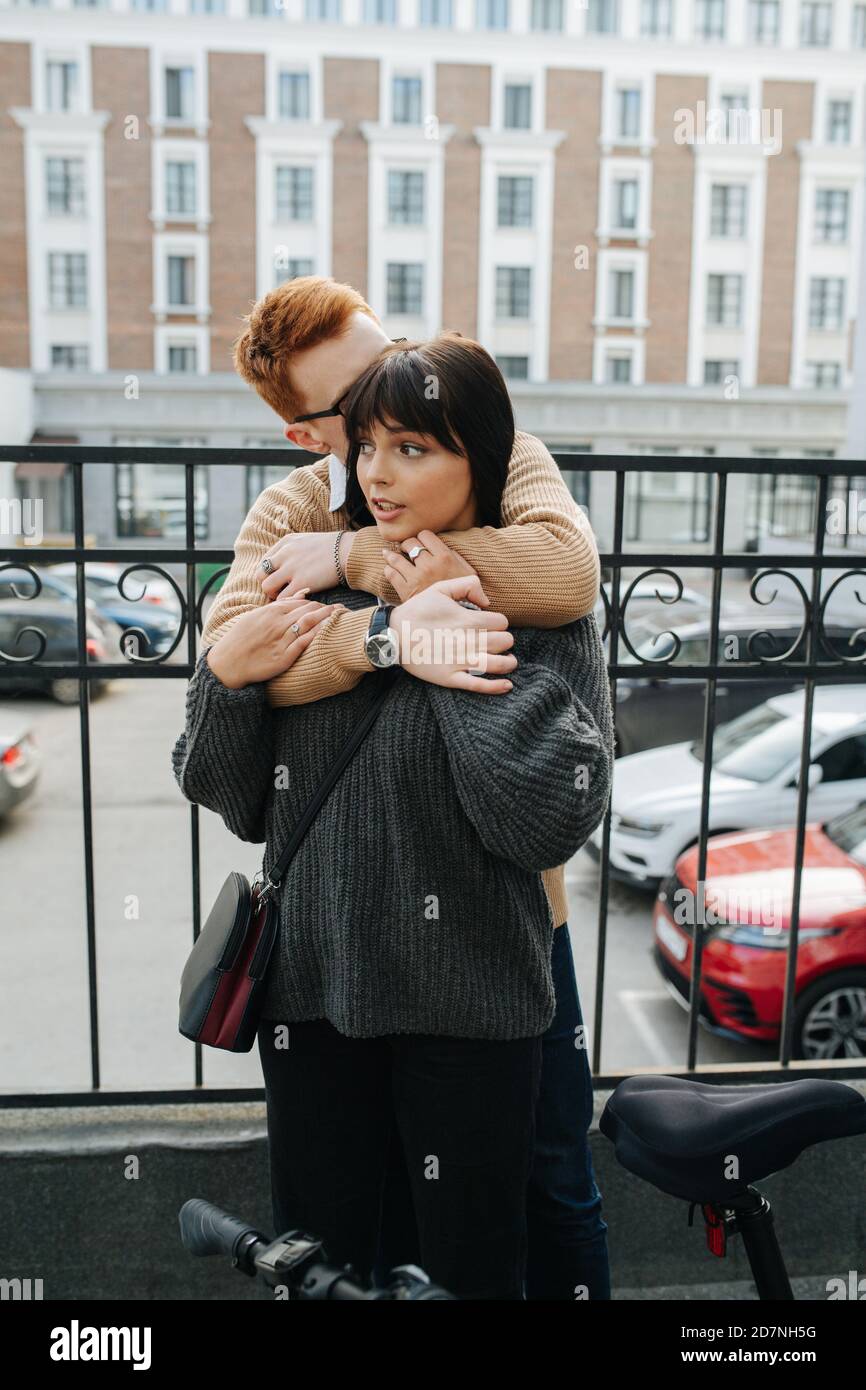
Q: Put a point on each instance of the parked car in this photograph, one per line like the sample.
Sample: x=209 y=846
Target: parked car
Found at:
x=54 y=587
x=58 y=622
x=656 y=799
x=19 y=765
x=653 y=604
x=652 y=711
x=104 y=575
x=156 y=618
x=748 y=894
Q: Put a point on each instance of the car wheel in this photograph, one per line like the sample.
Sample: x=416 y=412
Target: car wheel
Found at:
x=65 y=691
x=830 y=1018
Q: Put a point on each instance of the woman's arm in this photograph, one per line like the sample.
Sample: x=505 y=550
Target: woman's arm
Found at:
x=224 y=757
x=540 y=568
x=533 y=768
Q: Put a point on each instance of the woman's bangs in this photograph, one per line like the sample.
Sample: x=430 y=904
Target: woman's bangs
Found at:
x=396 y=395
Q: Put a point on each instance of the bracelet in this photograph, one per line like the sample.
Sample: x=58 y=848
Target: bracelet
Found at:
x=341 y=573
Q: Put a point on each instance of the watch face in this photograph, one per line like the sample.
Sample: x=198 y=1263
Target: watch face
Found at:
x=383 y=648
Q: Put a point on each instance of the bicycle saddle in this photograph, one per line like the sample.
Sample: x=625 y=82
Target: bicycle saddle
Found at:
x=680 y=1135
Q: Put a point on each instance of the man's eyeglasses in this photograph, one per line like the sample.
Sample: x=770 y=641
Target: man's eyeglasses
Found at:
x=335 y=408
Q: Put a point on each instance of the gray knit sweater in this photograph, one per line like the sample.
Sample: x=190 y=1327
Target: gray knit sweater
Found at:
x=415 y=903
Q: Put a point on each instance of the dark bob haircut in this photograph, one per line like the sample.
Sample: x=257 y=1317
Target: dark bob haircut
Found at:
x=449 y=388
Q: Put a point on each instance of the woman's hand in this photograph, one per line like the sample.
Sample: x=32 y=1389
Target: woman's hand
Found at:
x=446 y=644
x=437 y=561
x=263 y=643
x=305 y=559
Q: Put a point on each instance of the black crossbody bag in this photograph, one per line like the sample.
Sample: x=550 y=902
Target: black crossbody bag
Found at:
x=223 y=981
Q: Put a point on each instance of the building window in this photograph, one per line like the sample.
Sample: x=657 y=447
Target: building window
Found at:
x=179 y=94
x=625 y=204
x=380 y=12
x=64 y=187
x=602 y=17
x=491 y=14
x=617 y=368
x=182 y=358
x=839 y=122
x=323 y=10
x=831 y=214
x=858 y=26
x=514 y=201
x=181 y=281
x=621 y=291
x=738 y=120
x=294 y=96
x=826 y=374
x=292 y=268
x=436 y=14
x=717 y=370
x=816 y=24
x=268 y=8
x=294 y=193
x=150 y=6
x=655 y=19
x=67 y=279
x=514 y=368
x=405 y=288
x=826 y=301
x=151 y=498
x=70 y=357
x=180 y=187
x=547 y=14
x=710 y=19
x=517 y=113
x=628 y=113
x=405 y=196
x=764 y=21
x=724 y=300
x=61 y=86
x=406 y=100
x=207 y=6
x=512 y=291
x=728 y=209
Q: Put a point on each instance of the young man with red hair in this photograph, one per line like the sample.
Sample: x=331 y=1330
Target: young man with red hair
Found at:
x=303 y=346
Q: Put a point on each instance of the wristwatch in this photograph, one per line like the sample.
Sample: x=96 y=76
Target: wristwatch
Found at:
x=382 y=644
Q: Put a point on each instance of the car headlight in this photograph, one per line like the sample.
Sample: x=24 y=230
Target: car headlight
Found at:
x=637 y=825
x=766 y=938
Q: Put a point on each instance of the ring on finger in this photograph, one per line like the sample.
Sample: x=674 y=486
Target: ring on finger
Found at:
x=296 y=630
x=267 y=566
x=416 y=551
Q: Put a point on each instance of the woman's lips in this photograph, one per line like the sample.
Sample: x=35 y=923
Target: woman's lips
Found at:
x=385 y=513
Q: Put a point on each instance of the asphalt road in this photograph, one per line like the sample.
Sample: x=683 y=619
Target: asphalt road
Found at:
x=143 y=894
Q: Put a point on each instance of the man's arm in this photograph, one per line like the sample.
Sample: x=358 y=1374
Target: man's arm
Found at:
x=540 y=568
x=335 y=661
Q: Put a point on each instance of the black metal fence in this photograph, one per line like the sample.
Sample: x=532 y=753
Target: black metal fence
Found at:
x=811 y=657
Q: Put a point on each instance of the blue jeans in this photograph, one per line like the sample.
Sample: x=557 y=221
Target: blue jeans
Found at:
x=566 y=1234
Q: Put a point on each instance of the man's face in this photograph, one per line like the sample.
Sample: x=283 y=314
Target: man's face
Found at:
x=322 y=374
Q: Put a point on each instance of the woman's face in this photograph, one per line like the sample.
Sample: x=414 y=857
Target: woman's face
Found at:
x=428 y=486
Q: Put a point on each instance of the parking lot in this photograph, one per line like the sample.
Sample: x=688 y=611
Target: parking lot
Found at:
x=142 y=897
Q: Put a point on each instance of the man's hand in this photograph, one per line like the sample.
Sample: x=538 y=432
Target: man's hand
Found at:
x=446 y=644
x=263 y=644
x=437 y=561
x=305 y=560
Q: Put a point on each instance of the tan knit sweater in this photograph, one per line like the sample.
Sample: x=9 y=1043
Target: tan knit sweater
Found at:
x=540 y=568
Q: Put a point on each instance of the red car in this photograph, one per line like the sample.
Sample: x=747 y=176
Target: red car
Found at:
x=746 y=919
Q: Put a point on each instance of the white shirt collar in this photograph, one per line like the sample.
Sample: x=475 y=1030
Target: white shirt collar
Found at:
x=337 y=476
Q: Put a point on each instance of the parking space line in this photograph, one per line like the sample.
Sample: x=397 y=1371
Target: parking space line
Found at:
x=632 y=1000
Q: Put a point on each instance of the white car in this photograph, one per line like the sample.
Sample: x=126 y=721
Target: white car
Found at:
x=656 y=800
x=140 y=584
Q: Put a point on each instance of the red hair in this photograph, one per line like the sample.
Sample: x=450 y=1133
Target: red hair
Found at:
x=296 y=315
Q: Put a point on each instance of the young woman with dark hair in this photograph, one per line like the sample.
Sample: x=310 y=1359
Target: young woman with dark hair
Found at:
x=411 y=981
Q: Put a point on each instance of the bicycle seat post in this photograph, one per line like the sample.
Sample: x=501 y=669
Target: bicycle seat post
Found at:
x=754 y=1222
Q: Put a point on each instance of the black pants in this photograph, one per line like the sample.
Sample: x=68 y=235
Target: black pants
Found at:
x=464 y=1109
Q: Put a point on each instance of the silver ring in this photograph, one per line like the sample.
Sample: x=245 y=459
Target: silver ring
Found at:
x=266 y=565
x=296 y=630
x=416 y=551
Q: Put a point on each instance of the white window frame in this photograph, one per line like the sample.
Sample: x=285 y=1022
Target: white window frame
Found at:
x=172 y=150
x=620 y=258
x=192 y=244
x=609 y=138
x=162 y=59
x=616 y=168
x=181 y=335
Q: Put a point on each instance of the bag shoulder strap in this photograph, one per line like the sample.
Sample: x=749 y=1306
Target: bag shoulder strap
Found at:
x=386 y=680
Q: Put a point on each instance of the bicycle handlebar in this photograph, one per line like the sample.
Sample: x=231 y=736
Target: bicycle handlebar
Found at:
x=295 y=1259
